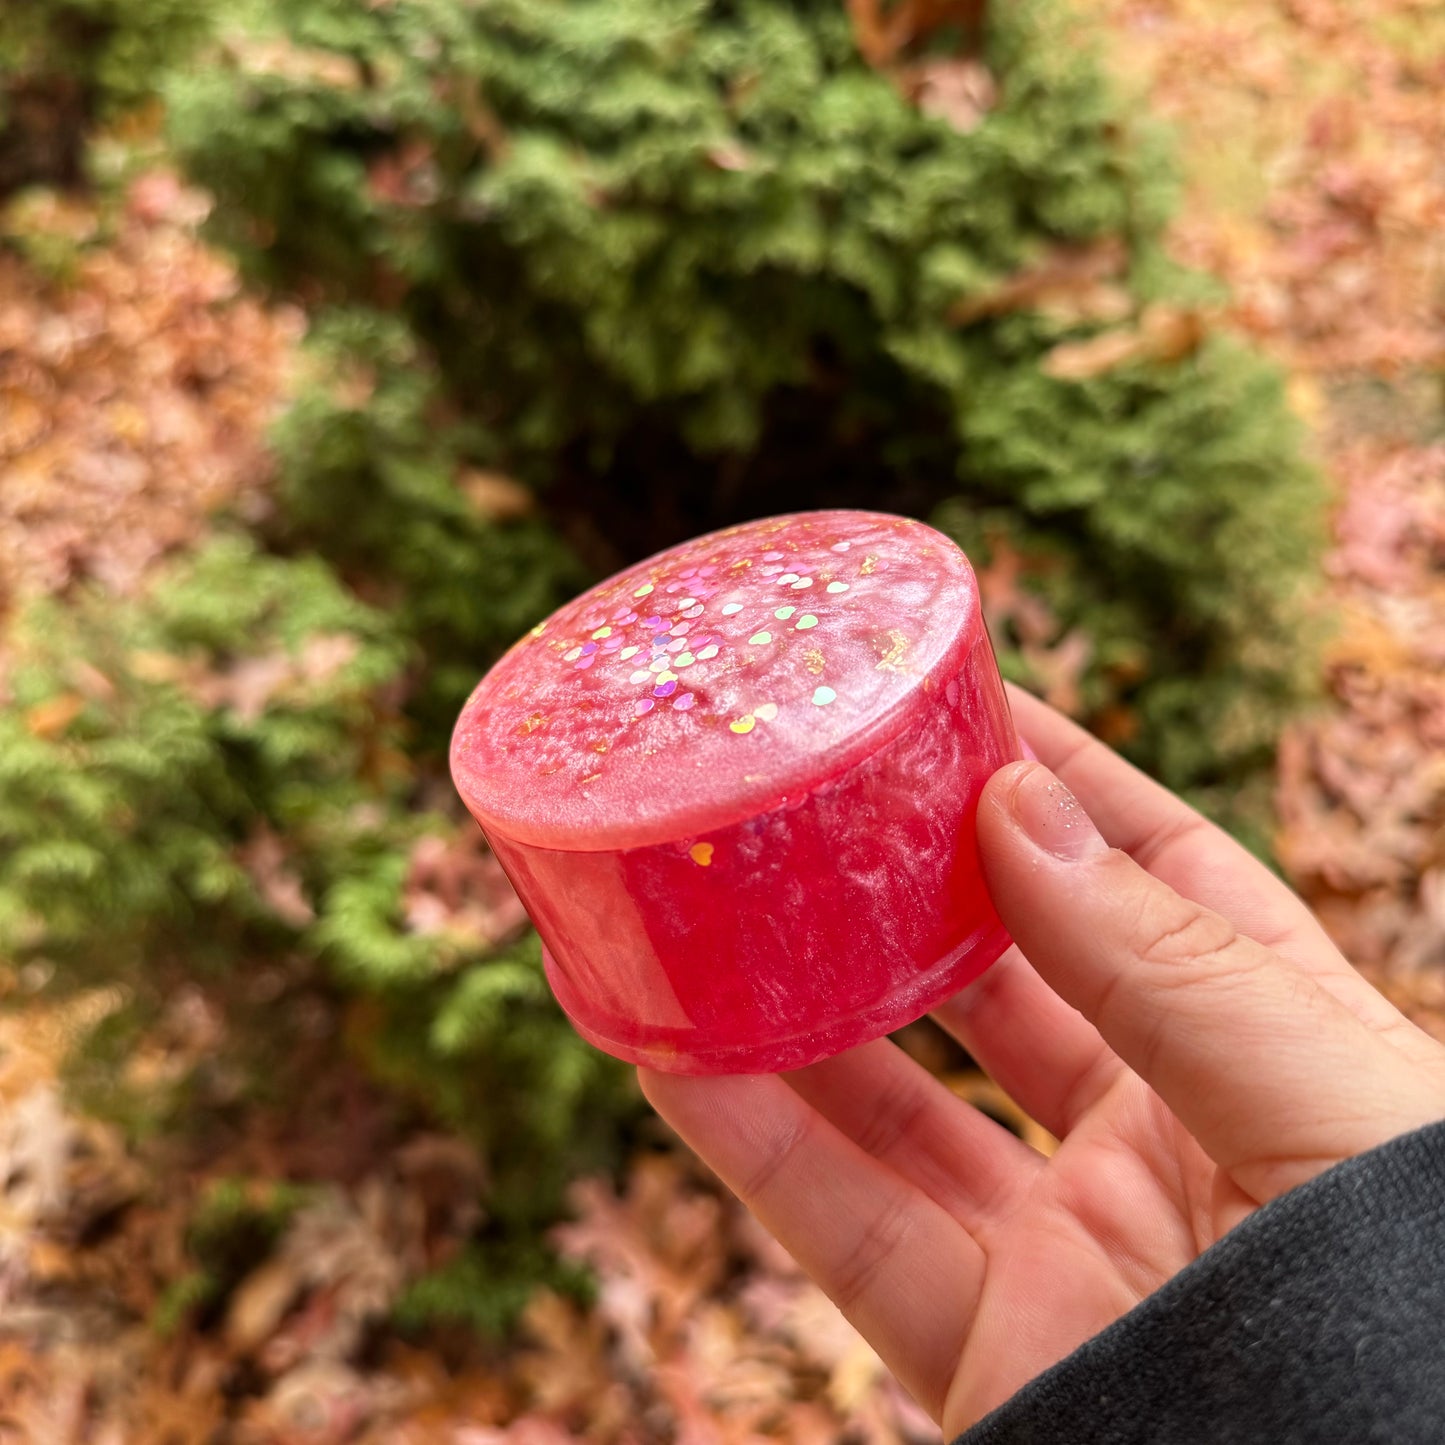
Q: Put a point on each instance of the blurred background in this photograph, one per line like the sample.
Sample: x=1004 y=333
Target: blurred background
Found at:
x=341 y=341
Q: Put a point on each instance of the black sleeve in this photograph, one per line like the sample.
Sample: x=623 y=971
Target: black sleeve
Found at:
x=1318 y=1321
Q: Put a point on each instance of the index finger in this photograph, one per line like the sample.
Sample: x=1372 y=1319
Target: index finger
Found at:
x=1198 y=859
x=1163 y=834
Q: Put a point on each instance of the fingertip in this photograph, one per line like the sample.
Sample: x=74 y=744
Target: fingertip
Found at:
x=996 y=820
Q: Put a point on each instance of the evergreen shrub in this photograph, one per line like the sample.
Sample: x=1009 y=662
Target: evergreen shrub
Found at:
x=66 y=64
x=671 y=263
x=204 y=785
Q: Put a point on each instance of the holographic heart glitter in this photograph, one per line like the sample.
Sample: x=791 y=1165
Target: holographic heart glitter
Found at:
x=699 y=642
x=688 y=592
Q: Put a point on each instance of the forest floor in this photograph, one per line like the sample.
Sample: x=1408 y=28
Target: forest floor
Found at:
x=135 y=386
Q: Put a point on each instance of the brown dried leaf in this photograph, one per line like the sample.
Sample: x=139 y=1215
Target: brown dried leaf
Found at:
x=275 y=56
x=497 y=497
x=524 y=1430
x=730 y=156
x=1081 y=360
x=1164 y=333
x=455 y=886
x=259 y=1304
x=266 y=858
x=49 y=719
x=1060 y=669
x=1070 y=283
x=1009 y=607
x=884 y=31
x=960 y=91
x=133 y=400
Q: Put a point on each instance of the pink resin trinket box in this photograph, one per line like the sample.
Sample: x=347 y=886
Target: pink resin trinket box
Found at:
x=735 y=786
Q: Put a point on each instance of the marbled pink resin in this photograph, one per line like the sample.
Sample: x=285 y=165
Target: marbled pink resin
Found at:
x=755 y=849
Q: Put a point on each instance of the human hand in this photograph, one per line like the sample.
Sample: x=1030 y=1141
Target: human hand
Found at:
x=1170 y=1011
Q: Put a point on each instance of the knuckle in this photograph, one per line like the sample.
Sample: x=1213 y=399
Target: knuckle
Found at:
x=1186 y=938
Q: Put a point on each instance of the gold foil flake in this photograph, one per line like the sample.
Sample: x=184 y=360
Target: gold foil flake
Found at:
x=836 y=587
x=783 y=613
x=743 y=724
x=708 y=652
x=766 y=712
x=643 y=590
x=892 y=658
x=813 y=661
x=870 y=564
x=701 y=854
x=531 y=724
x=760 y=639
x=600 y=746
x=823 y=696
x=806 y=621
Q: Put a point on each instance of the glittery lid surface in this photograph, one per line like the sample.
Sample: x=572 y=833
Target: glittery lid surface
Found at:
x=707 y=683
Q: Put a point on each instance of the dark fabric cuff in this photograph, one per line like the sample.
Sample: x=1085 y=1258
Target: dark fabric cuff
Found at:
x=1318 y=1321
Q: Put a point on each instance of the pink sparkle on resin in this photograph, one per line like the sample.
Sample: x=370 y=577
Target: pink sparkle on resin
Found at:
x=735 y=786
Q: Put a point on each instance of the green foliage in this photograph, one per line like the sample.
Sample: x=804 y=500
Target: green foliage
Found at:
x=205 y=781
x=371 y=456
x=236 y=1223
x=674 y=263
x=488 y=1050
x=148 y=741
x=486 y=1287
x=118 y=47
x=64 y=64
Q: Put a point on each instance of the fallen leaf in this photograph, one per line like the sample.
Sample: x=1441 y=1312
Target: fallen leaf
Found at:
x=1164 y=334
x=497 y=497
x=959 y=90
x=1069 y=283
x=49 y=719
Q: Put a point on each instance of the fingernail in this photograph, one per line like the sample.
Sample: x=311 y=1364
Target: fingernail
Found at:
x=1052 y=817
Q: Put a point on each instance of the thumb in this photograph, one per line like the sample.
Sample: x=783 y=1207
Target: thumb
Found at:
x=1274 y=1077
